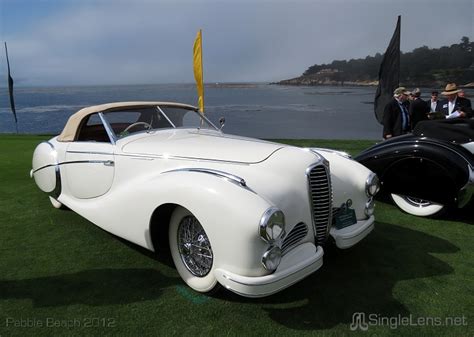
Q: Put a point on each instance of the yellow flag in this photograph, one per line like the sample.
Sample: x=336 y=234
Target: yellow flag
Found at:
x=197 y=60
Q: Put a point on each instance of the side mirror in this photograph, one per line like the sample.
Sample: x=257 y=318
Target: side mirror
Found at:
x=222 y=122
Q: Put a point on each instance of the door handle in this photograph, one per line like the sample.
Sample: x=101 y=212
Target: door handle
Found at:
x=109 y=163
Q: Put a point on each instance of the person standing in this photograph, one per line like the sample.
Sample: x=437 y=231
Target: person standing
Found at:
x=418 y=109
x=434 y=102
x=454 y=106
x=396 y=118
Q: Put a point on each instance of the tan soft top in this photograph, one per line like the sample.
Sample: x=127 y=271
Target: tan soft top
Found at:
x=71 y=128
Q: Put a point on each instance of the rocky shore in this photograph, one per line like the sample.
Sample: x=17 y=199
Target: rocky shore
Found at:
x=315 y=80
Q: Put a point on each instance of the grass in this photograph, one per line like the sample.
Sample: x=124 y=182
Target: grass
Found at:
x=62 y=276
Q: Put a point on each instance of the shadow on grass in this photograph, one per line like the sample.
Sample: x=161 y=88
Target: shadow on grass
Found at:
x=465 y=214
x=91 y=287
x=360 y=279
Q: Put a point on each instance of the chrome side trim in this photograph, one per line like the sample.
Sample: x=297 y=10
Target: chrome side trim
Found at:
x=108 y=128
x=221 y=174
x=159 y=156
x=105 y=162
x=88 y=152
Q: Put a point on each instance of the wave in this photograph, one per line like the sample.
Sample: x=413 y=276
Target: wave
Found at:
x=43 y=109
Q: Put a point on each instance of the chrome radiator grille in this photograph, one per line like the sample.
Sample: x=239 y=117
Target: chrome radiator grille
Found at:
x=296 y=234
x=320 y=193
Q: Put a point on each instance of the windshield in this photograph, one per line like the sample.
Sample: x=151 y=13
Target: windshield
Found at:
x=124 y=122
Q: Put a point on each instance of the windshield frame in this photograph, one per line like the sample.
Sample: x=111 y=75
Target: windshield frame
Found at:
x=114 y=137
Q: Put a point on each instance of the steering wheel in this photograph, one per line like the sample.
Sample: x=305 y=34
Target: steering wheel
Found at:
x=145 y=124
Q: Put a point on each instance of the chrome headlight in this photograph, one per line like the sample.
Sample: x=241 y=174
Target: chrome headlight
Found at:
x=369 y=207
x=372 y=185
x=272 y=225
x=272 y=258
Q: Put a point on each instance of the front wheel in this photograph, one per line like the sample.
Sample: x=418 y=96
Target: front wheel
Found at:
x=57 y=204
x=191 y=251
x=416 y=206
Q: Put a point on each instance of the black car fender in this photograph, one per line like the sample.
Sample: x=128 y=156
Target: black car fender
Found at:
x=420 y=167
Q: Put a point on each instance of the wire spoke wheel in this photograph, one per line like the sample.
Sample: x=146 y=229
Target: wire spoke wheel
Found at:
x=194 y=247
x=192 y=253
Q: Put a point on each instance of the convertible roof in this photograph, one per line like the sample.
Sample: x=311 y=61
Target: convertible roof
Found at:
x=69 y=132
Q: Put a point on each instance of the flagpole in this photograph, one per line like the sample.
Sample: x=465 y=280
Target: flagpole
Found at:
x=10 y=89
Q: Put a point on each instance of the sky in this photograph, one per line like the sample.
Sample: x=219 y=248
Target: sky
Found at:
x=86 y=42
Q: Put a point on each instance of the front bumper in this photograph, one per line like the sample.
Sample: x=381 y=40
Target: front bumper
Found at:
x=349 y=236
x=295 y=265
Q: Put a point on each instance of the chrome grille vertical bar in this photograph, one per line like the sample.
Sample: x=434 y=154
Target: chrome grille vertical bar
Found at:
x=320 y=196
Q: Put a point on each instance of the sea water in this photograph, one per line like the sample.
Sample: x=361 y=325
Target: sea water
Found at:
x=251 y=109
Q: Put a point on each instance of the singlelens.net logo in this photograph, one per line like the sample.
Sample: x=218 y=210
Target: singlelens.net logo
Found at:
x=362 y=321
x=359 y=322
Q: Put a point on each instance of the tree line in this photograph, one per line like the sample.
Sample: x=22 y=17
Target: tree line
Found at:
x=421 y=66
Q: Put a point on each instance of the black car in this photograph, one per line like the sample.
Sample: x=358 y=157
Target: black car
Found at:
x=429 y=170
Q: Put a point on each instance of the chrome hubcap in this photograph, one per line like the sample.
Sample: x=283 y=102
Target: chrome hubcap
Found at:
x=194 y=247
x=418 y=202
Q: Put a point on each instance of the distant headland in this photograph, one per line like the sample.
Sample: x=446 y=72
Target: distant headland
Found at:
x=422 y=67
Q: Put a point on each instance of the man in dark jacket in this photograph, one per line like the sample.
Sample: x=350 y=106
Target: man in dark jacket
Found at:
x=396 y=119
x=434 y=103
x=454 y=106
x=418 y=108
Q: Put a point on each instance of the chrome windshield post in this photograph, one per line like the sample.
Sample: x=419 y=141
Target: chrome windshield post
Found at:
x=163 y=113
x=108 y=129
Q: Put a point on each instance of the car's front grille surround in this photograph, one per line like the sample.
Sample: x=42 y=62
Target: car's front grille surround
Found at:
x=296 y=234
x=320 y=196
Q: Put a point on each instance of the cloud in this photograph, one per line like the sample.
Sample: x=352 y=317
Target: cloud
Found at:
x=132 y=42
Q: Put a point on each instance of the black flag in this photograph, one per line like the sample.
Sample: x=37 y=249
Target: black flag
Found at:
x=389 y=74
x=10 y=90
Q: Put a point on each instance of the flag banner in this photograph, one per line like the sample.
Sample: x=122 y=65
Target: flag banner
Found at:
x=10 y=89
x=389 y=74
x=198 y=76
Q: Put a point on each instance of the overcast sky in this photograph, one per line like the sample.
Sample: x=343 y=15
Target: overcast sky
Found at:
x=69 y=42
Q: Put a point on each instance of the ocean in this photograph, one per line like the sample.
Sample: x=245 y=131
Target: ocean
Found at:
x=253 y=110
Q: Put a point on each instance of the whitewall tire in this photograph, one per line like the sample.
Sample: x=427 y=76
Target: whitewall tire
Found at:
x=418 y=207
x=56 y=204
x=191 y=251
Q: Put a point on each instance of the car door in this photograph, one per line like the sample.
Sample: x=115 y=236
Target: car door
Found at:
x=89 y=161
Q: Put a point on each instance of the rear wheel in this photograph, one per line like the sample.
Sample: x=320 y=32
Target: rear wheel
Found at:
x=416 y=206
x=191 y=251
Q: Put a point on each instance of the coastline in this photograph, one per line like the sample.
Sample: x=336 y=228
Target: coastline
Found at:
x=318 y=81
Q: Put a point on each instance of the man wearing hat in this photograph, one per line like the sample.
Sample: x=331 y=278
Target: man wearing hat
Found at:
x=396 y=119
x=454 y=106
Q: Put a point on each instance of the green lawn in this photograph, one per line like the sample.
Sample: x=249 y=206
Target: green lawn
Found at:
x=57 y=269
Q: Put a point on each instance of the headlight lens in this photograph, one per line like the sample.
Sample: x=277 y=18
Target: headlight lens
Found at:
x=272 y=225
x=272 y=258
x=372 y=185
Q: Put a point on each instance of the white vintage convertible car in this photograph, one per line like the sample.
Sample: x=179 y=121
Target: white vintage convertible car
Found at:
x=243 y=213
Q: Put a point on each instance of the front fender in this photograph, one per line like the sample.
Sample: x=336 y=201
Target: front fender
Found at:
x=419 y=167
x=229 y=213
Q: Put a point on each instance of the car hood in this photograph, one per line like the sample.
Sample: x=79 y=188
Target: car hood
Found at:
x=199 y=145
